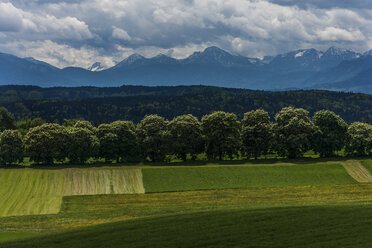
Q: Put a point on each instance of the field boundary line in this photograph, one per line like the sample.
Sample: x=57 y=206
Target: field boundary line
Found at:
x=357 y=171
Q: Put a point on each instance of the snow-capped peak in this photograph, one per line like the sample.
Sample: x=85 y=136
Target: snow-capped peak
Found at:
x=96 y=67
x=335 y=52
x=299 y=54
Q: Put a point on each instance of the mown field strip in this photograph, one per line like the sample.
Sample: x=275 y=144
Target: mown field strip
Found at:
x=30 y=192
x=40 y=191
x=127 y=181
x=358 y=171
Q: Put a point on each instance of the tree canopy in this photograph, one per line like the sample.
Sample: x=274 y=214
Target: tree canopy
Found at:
x=293 y=132
x=11 y=147
x=330 y=133
x=218 y=135
x=186 y=136
x=222 y=134
x=359 y=139
x=7 y=120
x=153 y=137
x=257 y=133
x=47 y=143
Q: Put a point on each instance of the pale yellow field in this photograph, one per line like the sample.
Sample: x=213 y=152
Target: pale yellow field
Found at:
x=40 y=191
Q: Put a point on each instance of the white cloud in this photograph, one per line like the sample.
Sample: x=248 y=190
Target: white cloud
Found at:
x=10 y=18
x=121 y=34
x=338 y=34
x=60 y=55
x=34 y=26
x=50 y=27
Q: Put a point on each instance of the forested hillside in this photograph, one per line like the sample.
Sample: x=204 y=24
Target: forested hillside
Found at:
x=134 y=102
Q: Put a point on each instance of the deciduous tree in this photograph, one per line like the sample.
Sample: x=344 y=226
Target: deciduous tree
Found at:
x=153 y=137
x=330 y=133
x=222 y=134
x=186 y=136
x=7 y=120
x=83 y=145
x=359 y=139
x=85 y=124
x=108 y=142
x=256 y=133
x=293 y=132
x=127 y=141
x=47 y=142
x=11 y=147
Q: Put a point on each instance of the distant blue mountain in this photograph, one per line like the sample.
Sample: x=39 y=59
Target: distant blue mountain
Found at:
x=345 y=70
x=297 y=69
x=14 y=70
x=362 y=82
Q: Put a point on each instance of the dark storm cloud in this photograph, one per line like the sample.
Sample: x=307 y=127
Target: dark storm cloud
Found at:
x=80 y=32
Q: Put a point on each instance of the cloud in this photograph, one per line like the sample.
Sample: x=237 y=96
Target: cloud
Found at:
x=28 y=25
x=121 y=34
x=363 y=4
x=338 y=34
x=60 y=55
x=116 y=28
x=50 y=27
x=10 y=18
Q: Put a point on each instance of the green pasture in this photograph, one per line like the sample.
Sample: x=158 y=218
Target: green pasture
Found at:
x=6 y=236
x=222 y=177
x=367 y=164
x=308 y=226
x=79 y=211
x=39 y=191
x=216 y=205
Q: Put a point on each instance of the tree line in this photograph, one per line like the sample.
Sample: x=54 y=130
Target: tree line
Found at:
x=133 y=103
x=220 y=135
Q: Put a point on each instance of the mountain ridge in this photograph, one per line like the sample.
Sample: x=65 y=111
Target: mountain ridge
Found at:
x=301 y=68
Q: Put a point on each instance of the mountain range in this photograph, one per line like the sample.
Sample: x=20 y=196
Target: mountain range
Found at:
x=335 y=69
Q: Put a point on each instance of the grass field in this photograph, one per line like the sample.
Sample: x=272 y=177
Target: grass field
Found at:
x=217 y=205
x=6 y=236
x=222 y=177
x=80 y=211
x=367 y=164
x=40 y=191
x=311 y=226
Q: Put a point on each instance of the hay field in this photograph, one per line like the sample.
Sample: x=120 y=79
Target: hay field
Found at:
x=40 y=191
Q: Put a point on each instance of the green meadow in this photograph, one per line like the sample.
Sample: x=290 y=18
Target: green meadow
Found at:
x=223 y=177
x=215 y=205
x=367 y=164
x=308 y=226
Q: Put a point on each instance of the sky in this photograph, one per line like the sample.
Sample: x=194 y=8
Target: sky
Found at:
x=81 y=32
